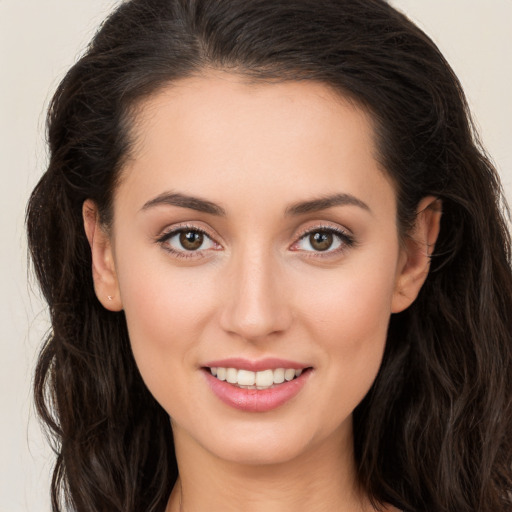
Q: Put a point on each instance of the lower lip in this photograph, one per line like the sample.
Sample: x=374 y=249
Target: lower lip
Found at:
x=256 y=400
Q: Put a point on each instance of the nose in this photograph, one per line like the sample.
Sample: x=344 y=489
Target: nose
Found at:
x=257 y=304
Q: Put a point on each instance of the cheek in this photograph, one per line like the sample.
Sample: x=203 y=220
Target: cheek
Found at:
x=352 y=328
x=349 y=318
x=353 y=303
x=166 y=309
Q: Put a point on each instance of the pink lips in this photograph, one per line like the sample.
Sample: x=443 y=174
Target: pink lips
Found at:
x=254 y=400
x=255 y=366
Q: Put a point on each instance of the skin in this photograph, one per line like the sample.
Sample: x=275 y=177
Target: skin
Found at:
x=258 y=288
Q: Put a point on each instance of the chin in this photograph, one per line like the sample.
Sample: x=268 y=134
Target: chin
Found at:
x=274 y=443
x=250 y=454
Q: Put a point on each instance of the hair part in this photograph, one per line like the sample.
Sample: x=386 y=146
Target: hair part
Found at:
x=434 y=432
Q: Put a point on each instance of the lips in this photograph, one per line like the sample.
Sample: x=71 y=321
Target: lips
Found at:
x=262 y=364
x=256 y=386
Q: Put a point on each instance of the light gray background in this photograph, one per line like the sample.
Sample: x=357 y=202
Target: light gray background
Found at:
x=39 y=40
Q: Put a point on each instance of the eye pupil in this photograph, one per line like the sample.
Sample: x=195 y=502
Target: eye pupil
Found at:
x=321 y=240
x=191 y=240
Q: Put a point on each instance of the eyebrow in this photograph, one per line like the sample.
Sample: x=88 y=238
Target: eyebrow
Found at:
x=185 y=201
x=299 y=208
x=324 y=203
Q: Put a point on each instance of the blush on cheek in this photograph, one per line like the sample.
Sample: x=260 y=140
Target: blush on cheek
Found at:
x=352 y=306
x=165 y=316
x=351 y=322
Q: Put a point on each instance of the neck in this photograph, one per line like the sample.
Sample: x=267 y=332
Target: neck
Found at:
x=322 y=478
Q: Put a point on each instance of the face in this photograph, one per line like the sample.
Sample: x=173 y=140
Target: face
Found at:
x=254 y=230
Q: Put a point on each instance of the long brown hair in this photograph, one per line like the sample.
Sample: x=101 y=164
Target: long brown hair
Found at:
x=435 y=431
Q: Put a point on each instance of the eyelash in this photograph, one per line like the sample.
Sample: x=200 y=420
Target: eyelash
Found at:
x=184 y=254
x=346 y=241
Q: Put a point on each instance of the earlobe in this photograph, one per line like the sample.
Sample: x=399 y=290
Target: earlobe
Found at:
x=103 y=266
x=418 y=247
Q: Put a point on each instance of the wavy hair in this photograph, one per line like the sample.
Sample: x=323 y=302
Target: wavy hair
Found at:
x=434 y=432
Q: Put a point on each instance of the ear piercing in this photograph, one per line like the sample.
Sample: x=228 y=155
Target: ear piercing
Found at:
x=109 y=297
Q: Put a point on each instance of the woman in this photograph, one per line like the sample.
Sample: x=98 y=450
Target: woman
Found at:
x=277 y=268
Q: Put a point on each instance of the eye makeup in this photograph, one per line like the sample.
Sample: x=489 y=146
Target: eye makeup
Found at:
x=194 y=241
x=323 y=241
x=190 y=241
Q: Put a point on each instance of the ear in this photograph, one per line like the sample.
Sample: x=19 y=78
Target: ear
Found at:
x=414 y=261
x=103 y=267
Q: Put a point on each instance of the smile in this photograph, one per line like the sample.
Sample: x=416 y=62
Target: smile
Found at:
x=257 y=390
x=260 y=380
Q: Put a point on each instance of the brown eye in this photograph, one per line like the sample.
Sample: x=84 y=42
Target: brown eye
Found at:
x=321 y=240
x=326 y=240
x=187 y=242
x=191 y=240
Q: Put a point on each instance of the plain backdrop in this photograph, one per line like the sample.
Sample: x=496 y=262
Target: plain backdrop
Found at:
x=39 y=40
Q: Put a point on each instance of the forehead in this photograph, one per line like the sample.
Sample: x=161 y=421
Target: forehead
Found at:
x=211 y=134
x=223 y=99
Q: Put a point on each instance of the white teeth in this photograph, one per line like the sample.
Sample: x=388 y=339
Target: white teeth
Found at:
x=265 y=378
x=231 y=375
x=279 y=376
x=289 y=373
x=255 y=380
x=246 y=378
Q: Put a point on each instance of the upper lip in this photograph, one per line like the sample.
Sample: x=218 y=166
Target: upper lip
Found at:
x=270 y=363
